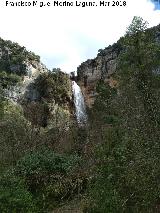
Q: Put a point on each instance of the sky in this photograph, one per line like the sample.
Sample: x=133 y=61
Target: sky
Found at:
x=65 y=37
x=156 y=4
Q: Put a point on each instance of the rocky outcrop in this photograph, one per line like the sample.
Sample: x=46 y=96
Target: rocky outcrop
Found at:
x=93 y=70
x=47 y=97
x=25 y=88
x=102 y=67
x=33 y=70
x=15 y=59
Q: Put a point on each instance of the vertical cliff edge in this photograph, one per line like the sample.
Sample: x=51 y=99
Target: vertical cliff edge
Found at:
x=102 y=67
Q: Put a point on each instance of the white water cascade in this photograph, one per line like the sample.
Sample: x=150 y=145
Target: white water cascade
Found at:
x=81 y=114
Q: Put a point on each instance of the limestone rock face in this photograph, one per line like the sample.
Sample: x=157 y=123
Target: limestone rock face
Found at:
x=93 y=70
x=26 y=88
x=101 y=67
x=15 y=59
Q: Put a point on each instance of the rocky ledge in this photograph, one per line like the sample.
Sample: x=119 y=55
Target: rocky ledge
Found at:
x=102 y=67
x=93 y=70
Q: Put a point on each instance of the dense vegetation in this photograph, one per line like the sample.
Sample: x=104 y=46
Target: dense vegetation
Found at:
x=13 y=55
x=54 y=99
x=112 y=164
x=40 y=163
x=13 y=60
x=54 y=86
x=129 y=119
x=7 y=80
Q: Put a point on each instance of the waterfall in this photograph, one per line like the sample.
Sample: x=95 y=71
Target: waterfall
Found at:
x=81 y=114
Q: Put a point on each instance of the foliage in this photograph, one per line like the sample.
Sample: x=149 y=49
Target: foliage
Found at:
x=54 y=102
x=2 y=102
x=48 y=176
x=14 y=196
x=103 y=101
x=56 y=70
x=13 y=56
x=128 y=156
x=54 y=86
x=138 y=25
x=124 y=127
x=34 y=177
x=45 y=161
x=7 y=80
x=40 y=180
x=36 y=112
x=16 y=135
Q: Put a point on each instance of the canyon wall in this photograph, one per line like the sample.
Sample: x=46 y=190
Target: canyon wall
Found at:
x=102 y=67
x=93 y=70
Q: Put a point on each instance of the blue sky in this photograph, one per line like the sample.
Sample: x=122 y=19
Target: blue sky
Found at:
x=157 y=4
x=65 y=37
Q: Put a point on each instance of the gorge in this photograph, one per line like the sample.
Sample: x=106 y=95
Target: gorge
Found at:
x=87 y=143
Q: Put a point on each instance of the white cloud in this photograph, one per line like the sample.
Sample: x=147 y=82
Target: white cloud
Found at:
x=64 y=37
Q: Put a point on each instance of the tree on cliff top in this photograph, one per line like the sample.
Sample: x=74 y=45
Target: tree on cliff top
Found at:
x=137 y=25
x=138 y=64
x=127 y=179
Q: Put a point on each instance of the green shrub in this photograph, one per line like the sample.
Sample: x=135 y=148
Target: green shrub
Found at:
x=2 y=102
x=50 y=177
x=45 y=161
x=44 y=167
x=39 y=181
x=15 y=135
x=54 y=85
x=7 y=80
x=14 y=196
x=127 y=178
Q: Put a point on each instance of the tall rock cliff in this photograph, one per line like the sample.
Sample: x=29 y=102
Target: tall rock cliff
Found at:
x=93 y=70
x=25 y=80
x=16 y=60
x=102 y=67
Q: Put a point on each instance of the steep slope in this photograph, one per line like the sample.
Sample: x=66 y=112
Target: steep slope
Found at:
x=16 y=59
x=48 y=98
x=18 y=62
x=102 y=67
x=26 y=80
